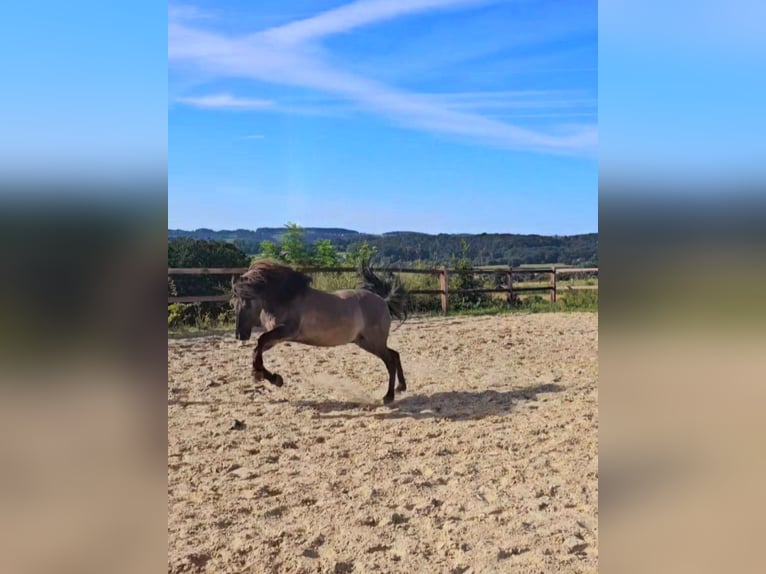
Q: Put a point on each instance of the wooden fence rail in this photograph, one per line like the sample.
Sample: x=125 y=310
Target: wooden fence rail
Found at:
x=552 y=287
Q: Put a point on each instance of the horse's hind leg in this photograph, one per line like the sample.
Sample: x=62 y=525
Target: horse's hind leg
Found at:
x=402 y=386
x=389 y=357
x=390 y=360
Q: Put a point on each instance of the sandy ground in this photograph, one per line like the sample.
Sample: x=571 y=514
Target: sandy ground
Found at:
x=488 y=463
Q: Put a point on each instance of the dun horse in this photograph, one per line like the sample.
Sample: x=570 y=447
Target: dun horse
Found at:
x=289 y=309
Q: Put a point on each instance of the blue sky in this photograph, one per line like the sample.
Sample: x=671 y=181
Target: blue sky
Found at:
x=83 y=91
x=681 y=93
x=379 y=115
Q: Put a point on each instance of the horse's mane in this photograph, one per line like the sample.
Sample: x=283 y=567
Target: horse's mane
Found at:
x=272 y=282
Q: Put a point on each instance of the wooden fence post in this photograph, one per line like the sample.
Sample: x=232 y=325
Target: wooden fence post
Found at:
x=553 y=285
x=510 y=284
x=443 y=283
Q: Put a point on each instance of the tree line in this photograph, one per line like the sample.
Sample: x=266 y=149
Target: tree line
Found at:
x=408 y=248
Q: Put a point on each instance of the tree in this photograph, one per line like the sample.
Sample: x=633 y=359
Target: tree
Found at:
x=293 y=248
x=466 y=280
x=359 y=252
x=269 y=250
x=188 y=252
x=325 y=254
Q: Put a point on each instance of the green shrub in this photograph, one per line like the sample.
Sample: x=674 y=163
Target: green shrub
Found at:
x=465 y=279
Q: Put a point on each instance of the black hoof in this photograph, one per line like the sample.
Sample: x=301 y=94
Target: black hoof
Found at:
x=277 y=381
x=257 y=375
x=388 y=399
x=401 y=388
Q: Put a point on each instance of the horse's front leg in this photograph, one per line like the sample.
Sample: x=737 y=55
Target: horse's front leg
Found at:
x=265 y=342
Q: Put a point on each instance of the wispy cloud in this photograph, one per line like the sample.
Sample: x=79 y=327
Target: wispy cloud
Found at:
x=186 y=12
x=356 y=14
x=254 y=137
x=287 y=56
x=226 y=102
x=577 y=101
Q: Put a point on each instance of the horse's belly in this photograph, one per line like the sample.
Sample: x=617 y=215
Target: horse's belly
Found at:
x=329 y=331
x=328 y=338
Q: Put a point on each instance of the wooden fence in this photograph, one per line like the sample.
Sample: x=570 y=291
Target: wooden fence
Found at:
x=551 y=287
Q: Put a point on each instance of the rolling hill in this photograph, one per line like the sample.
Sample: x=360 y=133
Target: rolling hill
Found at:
x=405 y=247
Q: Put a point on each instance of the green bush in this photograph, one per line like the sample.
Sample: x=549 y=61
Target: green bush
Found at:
x=464 y=278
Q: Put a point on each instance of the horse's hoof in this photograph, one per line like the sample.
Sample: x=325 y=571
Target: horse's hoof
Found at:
x=257 y=376
x=388 y=399
x=278 y=380
x=401 y=388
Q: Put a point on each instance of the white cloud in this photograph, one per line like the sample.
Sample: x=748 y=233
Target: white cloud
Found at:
x=225 y=101
x=254 y=137
x=519 y=99
x=283 y=56
x=187 y=12
x=361 y=13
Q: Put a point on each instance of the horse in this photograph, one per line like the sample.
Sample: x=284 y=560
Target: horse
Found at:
x=288 y=308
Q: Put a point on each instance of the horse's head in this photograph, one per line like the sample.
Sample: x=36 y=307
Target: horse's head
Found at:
x=243 y=327
x=267 y=285
x=245 y=310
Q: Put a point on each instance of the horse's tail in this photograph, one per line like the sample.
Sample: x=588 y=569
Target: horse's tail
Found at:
x=392 y=291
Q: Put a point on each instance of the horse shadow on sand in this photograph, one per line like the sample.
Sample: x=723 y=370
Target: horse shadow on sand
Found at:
x=453 y=405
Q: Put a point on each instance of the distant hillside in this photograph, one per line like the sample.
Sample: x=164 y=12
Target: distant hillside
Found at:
x=252 y=239
x=406 y=247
